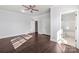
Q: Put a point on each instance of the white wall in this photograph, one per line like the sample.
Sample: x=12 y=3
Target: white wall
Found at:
x=55 y=22
x=77 y=31
x=13 y=23
x=67 y=8
x=44 y=24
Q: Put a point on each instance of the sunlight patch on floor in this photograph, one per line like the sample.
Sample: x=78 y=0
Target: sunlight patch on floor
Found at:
x=17 y=42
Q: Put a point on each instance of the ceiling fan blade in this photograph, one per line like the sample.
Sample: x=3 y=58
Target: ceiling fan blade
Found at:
x=32 y=6
x=25 y=6
x=35 y=9
x=31 y=11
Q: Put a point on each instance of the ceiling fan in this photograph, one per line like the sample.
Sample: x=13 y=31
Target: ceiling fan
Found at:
x=32 y=8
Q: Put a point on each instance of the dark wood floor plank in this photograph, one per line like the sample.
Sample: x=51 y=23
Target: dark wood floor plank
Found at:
x=41 y=45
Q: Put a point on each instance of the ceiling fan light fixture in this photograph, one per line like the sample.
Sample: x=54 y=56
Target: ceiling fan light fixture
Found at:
x=23 y=11
x=32 y=8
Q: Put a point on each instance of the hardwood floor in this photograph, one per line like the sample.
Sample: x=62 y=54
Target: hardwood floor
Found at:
x=42 y=44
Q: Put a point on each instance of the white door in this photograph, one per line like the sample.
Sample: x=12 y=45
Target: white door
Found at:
x=68 y=25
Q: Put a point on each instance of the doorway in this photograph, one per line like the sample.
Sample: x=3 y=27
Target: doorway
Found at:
x=68 y=25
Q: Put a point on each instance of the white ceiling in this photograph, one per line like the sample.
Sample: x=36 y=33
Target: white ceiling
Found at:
x=19 y=8
x=42 y=8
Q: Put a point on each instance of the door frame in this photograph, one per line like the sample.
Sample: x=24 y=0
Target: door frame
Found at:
x=67 y=12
